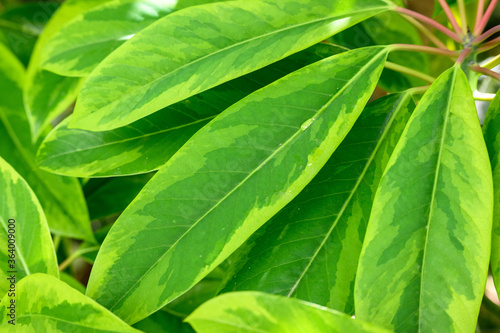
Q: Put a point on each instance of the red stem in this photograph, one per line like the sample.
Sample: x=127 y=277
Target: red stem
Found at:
x=463 y=55
x=486 y=71
x=488 y=46
x=479 y=13
x=425 y=49
x=478 y=29
x=450 y=16
x=430 y=22
x=485 y=35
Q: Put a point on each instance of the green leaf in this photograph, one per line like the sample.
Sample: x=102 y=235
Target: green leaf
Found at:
x=285 y=132
x=163 y=322
x=258 y=312
x=26 y=242
x=384 y=29
x=61 y=197
x=491 y=128
x=425 y=257
x=47 y=95
x=195 y=49
x=88 y=38
x=45 y=304
x=21 y=26
x=72 y=282
x=149 y=143
x=310 y=249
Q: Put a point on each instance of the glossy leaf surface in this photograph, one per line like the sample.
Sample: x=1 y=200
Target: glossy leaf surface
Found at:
x=285 y=132
x=425 y=257
x=148 y=143
x=47 y=95
x=248 y=312
x=491 y=129
x=23 y=225
x=46 y=304
x=61 y=197
x=310 y=249
x=87 y=39
x=195 y=49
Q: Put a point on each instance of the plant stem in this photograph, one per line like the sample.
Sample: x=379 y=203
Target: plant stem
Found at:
x=486 y=97
x=479 y=13
x=464 y=54
x=430 y=22
x=75 y=255
x=492 y=63
x=450 y=16
x=485 y=35
x=485 y=71
x=478 y=29
x=418 y=90
x=488 y=46
x=463 y=17
x=423 y=29
x=425 y=49
x=409 y=71
x=57 y=241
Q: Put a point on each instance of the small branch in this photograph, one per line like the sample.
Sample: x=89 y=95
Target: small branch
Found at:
x=478 y=29
x=409 y=71
x=488 y=46
x=450 y=16
x=423 y=29
x=485 y=35
x=464 y=54
x=425 y=49
x=485 y=71
x=479 y=13
x=430 y=22
x=479 y=96
x=418 y=90
x=492 y=63
x=75 y=255
x=463 y=16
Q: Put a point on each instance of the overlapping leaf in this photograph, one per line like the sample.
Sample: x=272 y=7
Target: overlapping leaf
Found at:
x=227 y=180
x=193 y=50
x=61 y=197
x=26 y=242
x=148 y=143
x=492 y=137
x=46 y=304
x=247 y=312
x=425 y=257
x=81 y=44
x=310 y=249
x=47 y=95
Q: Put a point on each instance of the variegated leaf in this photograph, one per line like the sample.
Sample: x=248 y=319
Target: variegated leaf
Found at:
x=195 y=49
x=310 y=249
x=227 y=180
x=425 y=257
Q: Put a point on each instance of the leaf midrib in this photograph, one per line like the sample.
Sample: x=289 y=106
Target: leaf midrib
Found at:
x=118 y=100
x=433 y=195
x=402 y=100
x=261 y=165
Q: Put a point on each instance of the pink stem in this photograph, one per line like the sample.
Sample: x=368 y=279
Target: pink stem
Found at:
x=430 y=22
x=485 y=35
x=478 y=29
x=463 y=55
x=450 y=16
x=425 y=49
x=479 y=13
x=488 y=46
x=486 y=71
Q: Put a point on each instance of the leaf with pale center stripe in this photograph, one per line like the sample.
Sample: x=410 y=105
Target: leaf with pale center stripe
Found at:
x=195 y=49
x=61 y=197
x=26 y=244
x=148 y=143
x=425 y=258
x=82 y=43
x=248 y=312
x=46 y=304
x=491 y=130
x=229 y=179
x=310 y=249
